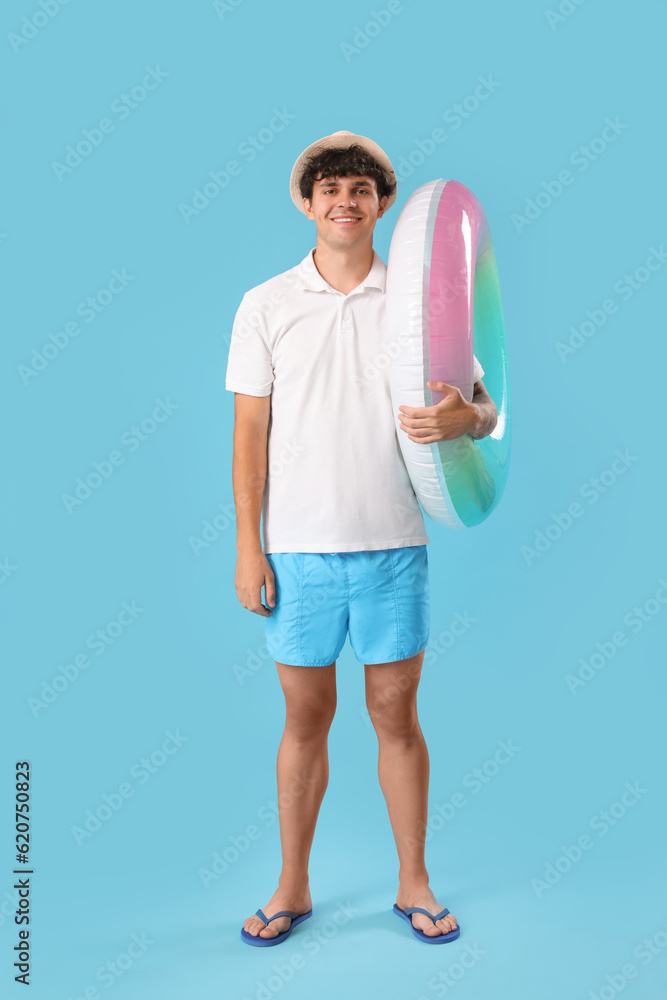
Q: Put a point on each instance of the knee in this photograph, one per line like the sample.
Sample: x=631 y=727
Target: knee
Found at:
x=397 y=724
x=310 y=723
x=393 y=705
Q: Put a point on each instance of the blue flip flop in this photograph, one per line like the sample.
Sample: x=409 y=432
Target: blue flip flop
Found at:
x=438 y=938
x=257 y=939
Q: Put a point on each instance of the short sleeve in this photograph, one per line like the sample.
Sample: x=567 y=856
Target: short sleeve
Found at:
x=478 y=371
x=249 y=364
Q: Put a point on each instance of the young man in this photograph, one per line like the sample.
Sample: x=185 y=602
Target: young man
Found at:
x=316 y=452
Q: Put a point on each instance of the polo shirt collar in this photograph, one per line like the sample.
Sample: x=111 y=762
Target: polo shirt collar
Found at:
x=313 y=280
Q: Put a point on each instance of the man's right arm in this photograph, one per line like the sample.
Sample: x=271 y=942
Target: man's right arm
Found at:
x=249 y=470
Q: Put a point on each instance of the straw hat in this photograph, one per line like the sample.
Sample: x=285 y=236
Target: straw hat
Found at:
x=339 y=140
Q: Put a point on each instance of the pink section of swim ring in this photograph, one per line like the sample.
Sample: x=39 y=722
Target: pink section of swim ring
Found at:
x=459 y=222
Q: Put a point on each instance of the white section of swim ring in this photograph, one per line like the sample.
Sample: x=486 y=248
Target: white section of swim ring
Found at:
x=408 y=276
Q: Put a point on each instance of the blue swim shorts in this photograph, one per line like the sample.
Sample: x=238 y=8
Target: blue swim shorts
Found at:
x=380 y=596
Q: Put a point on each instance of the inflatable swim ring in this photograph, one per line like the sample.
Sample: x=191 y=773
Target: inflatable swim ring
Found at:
x=443 y=306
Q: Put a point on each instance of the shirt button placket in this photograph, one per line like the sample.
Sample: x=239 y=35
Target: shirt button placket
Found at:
x=346 y=322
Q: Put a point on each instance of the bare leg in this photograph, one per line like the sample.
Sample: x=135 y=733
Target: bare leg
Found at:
x=303 y=774
x=403 y=770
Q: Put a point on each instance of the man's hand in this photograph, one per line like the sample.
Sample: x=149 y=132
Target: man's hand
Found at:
x=253 y=571
x=452 y=417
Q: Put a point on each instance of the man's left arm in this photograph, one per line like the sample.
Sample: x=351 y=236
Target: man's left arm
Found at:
x=487 y=413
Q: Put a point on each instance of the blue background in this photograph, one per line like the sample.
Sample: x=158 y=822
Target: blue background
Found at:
x=174 y=667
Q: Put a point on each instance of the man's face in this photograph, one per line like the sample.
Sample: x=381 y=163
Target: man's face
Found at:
x=345 y=209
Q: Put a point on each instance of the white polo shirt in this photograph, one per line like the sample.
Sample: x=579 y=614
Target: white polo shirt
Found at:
x=336 y=477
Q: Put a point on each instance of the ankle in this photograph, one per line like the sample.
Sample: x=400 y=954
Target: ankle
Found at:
x=295 y=882
x=413 y=878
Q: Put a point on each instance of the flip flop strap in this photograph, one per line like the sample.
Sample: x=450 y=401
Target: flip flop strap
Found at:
x=283 y=913
x=420 y=909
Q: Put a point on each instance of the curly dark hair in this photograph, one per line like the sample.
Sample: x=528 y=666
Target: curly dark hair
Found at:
x=348 y=162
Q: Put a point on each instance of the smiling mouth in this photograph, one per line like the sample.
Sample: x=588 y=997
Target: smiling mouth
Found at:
x=346 y=220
